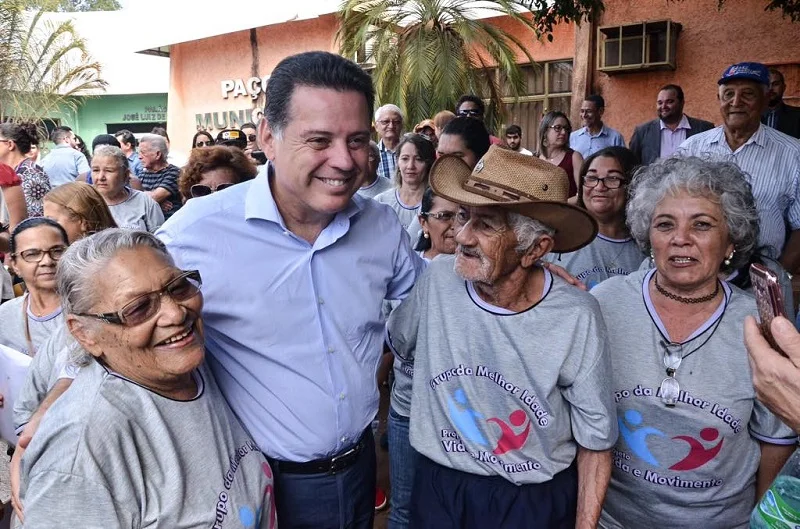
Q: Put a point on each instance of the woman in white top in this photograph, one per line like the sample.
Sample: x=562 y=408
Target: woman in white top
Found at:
x=415 y=157
x=37 y=244
x=130 y=208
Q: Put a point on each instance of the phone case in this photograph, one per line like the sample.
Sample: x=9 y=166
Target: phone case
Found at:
x=769 y=299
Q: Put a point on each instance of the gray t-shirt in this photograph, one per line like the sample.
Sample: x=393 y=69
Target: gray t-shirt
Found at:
x=693 y=464
x=604 y=257
x=504 y=394
x=380 y=185
x=406 y=214
x=138 y=212
x=12 y=325
x=110 y=453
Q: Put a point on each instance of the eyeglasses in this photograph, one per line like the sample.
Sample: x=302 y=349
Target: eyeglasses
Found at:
x=35 y=255
x=204 y=143
x=387 y=122
x=251 y=137
x=6 y=141
x=202 y=190
x=670 y=389
x=444 y=216
x=611 y=182
x=182 y=288
x=559 y=128
x=470 y=112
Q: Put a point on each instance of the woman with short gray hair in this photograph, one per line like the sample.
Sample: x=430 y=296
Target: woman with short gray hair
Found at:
x=695 y=446
x=130 y=208
x=143 y=437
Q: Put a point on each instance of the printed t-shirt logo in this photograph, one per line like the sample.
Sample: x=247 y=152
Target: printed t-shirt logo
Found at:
x=635 y=434
x=467 y=420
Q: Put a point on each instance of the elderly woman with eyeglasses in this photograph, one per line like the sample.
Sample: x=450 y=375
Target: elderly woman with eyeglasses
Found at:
x=695 y=447
x=143 y=437
x=111 y=176
x=604 y=180
x=213 y=169
x=37 y=244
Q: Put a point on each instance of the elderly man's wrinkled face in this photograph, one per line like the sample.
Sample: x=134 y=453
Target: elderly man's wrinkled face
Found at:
x=389 y=125
x=741 y=103
x=160 y=352
x=486 y=243
x=149 y=156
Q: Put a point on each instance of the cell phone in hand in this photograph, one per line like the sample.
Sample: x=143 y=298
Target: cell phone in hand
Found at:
x=769 y=299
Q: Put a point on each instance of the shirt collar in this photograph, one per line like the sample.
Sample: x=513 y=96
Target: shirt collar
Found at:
x=683 y=124
x=383 y=147
x=62 y=146
x=585 y=130
x=260 y=204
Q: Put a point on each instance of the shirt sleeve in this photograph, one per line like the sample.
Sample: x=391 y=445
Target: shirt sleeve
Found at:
x=793 y=213
x=585 y=385
x=56 y=500
x=154 y=217
x=402 y=328
x=37 y=383
x=82 y=164
x=765 y=426
x=619 y=140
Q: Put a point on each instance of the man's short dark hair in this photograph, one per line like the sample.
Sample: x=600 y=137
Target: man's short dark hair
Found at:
x=473 y=99
x=59 y=133
x=677 y=89
x=514 y=130
x=161 y=131
x=126 y=136
x=314 y=69
x=249 y=125
x=777 y=73
x=598 y=101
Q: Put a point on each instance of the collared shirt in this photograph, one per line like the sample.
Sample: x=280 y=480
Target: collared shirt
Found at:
x=135 y=164
x=583 y=142
x=388 y=164
x=64 y=164
x=771 y=161
x=293 y=330
x=672 y=139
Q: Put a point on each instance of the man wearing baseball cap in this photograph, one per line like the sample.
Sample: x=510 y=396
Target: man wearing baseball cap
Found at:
x=511 y=397
x=770 y=158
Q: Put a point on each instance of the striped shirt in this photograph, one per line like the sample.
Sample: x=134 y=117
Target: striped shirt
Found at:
x=388 y=165
x=771 y=161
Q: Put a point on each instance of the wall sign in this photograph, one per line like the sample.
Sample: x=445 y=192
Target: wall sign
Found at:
x=151 y=113
x=252 y=87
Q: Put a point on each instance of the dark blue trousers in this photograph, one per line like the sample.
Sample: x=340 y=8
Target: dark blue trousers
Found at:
x=345 y=500
x=443 y=498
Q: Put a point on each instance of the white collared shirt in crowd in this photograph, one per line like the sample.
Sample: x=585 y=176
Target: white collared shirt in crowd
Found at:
x=672 y=139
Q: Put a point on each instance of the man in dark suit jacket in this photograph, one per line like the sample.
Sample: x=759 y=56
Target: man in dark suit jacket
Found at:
x=661 y=137
x=779 y=115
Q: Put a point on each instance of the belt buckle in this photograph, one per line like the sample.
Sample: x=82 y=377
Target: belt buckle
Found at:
x=335 y=460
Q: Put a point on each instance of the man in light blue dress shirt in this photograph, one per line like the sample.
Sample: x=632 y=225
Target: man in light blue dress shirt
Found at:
x=594 y=135
x=64 y=163
x=295 y=269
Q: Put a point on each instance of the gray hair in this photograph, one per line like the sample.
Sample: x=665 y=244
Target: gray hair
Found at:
x=720 y=181
x=527 y=230
x=158 y=142
x=116 y=154
x=388 y=108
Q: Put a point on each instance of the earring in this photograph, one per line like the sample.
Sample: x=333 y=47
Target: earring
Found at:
x=652 y=256
x=425 y=234
x=727 y=260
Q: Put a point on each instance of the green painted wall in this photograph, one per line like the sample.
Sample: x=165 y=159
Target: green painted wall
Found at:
x=127 y=111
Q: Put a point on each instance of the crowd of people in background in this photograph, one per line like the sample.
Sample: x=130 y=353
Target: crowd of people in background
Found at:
x=559 y=327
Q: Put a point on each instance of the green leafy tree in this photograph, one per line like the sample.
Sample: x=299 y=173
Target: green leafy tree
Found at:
x=73 y=5
x=427 y=53
x=44 y=66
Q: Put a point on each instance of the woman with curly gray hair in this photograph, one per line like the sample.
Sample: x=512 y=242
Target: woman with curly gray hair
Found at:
x=695 y=446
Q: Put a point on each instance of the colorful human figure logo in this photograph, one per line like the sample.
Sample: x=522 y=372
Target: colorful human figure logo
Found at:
x=699 y=455
x=250 y=518
x=510 y=440
x=636 y=435
x=465 y=418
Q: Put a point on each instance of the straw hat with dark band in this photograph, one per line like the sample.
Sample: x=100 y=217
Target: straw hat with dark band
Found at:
x=521 y=183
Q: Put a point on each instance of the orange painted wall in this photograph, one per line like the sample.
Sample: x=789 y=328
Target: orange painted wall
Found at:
x=562 y=46
x=198 y=67
x=710 y=41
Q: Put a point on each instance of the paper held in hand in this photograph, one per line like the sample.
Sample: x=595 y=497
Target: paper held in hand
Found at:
x=13 y=370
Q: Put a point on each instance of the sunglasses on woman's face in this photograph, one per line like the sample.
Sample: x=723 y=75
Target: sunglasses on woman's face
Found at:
x=251 y=137
x=204 y=143
x=202 y=190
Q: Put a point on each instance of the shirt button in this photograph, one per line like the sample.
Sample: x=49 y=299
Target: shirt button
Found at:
x=343 y=439
x=331 y=350
x=341 y=396
x=285 y=232
x=321 y=301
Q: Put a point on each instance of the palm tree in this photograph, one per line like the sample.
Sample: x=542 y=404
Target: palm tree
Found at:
x=44 y=66
x=427 y=53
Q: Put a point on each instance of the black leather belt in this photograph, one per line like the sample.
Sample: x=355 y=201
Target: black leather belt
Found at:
x=330 y=465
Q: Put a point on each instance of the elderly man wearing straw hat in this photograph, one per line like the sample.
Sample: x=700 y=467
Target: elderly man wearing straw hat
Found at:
x=512 y=414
